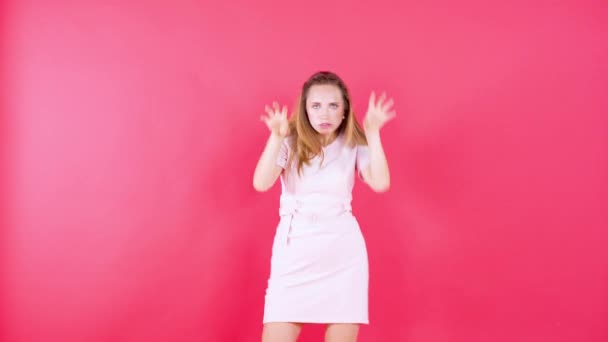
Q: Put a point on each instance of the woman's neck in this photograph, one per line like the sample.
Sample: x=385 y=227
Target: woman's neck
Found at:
x=328 y=139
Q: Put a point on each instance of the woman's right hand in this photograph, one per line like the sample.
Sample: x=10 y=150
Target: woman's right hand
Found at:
x=276 y=120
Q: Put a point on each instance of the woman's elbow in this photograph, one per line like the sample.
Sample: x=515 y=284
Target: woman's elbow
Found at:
x=260 y=186
x=381 y=187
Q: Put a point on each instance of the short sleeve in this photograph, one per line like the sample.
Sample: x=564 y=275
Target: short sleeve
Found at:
x=362 y=157
x=283 y=154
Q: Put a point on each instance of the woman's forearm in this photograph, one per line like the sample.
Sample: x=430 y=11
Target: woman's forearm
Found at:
x=267 y=171
x=378 y=167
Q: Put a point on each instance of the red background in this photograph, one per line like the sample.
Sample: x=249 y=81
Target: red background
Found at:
x=131 y=131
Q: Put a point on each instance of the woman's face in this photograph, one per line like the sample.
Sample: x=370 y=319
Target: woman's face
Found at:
x=325 y=108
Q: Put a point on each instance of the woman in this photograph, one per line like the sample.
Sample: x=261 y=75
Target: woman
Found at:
x=319 y=268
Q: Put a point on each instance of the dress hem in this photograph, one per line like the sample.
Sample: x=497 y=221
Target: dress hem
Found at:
x=317 y=321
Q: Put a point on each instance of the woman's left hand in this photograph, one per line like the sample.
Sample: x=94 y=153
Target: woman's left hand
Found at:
x=378 y=113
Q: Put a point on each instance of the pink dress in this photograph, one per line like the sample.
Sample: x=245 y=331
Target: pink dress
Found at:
x=319 y=267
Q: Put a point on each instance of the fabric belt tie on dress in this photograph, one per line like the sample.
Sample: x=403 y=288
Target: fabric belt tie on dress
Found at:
x=292 y=207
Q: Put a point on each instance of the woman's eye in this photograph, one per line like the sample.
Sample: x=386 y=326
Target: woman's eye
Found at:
x=316 y=106
x=334 y=105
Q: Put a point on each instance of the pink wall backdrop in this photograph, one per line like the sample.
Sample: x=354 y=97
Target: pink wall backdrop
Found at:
x=131 y=130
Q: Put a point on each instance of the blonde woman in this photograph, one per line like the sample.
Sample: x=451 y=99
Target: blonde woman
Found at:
x=319 y=267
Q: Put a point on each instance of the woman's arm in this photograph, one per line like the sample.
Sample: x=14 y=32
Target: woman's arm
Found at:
x=267 y=171
x=376 y=174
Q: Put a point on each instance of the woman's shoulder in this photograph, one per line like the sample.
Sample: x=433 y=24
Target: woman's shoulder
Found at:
x=289 y=141
x=352 y=143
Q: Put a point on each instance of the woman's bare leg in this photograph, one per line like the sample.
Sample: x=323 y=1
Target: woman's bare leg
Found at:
x=339 y=332
x=281 y=332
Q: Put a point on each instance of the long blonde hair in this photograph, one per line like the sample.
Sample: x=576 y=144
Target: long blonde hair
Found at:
x=305 y=142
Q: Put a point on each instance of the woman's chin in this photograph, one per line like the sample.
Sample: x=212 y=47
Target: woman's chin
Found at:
x=325 y=130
